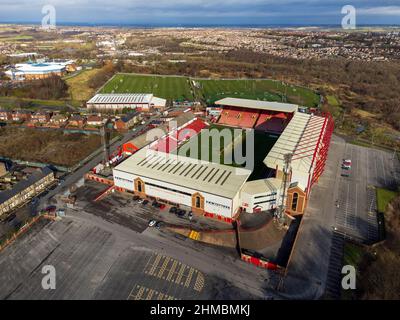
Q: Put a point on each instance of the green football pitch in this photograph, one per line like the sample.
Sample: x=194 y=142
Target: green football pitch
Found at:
x=224 y=144
x=183 y=88
x=268 y=90
x=173 y=88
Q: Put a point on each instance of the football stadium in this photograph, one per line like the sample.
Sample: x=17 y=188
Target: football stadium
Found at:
x=256 y=156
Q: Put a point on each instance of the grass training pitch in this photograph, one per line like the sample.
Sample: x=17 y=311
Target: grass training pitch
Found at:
x=268 y=90
x=183 y=88
x=173 y=88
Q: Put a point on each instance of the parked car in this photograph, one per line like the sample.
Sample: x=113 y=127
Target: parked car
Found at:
x=140 y=201
x=180 y=213
x=173 y=209
x=152 y=223
x=159 y=225
x=145 y=202
x=345 y=167
x=136 y=198
x=162 y=206
x=347 y=162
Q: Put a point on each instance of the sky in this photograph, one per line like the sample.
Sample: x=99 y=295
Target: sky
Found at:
x=202 y=12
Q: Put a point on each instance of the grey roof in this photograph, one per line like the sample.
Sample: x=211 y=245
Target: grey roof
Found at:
x=127 y=117
x=186 y=172
x=300 y=138
x=22 y=185
x=257 y=104
x=121 y=98
x=262 y=186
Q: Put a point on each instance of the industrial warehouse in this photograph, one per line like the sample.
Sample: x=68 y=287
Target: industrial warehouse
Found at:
x=113 y=102
x=289 y=166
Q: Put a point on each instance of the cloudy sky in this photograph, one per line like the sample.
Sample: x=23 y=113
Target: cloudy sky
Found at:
x=183 y=12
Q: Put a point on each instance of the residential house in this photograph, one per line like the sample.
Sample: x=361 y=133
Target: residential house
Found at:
x=77 y=121
x=94 y=120
x=41 y=117
x=21 y=115
x=5 y=115
x=59 y=119
x=127 y=121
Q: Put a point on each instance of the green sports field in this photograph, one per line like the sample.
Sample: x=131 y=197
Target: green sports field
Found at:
x=181 y=88
x=173 y=88
x=214 y=145
x=268 y=90
x=221 y=147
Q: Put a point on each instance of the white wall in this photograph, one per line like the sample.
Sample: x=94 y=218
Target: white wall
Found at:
x=212 y=203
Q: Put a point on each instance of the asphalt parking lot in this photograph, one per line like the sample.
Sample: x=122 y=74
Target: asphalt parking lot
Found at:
x=124 y=210
x=355 y=214
x=102 y=261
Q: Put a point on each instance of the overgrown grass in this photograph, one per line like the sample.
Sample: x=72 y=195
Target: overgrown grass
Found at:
x=79 y=89
x=384 y=197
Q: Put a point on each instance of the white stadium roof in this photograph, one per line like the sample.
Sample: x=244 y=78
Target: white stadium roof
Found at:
x=262 y=186
x=117 y=98
x=300 y=138
x=39 y=68
x=213 y=178
x=256 y=104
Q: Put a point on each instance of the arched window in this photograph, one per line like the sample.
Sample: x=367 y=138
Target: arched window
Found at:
x=139 y=186
x=198 y=202
x=294 y=201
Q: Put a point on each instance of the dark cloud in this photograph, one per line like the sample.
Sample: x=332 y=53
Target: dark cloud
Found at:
x=202 y=11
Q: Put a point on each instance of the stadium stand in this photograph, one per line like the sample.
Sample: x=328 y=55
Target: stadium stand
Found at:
x=172 y=141
x=238 y=117
x=272 y=122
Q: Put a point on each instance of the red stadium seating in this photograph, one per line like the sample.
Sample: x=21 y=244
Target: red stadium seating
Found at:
x=272 y=122
x=238 y=117
x=174 y=139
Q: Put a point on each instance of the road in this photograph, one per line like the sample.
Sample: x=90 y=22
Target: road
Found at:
x=77 y=175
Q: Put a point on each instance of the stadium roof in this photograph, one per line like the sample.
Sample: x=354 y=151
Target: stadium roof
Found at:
x=154 y=134
x=186 y=172
x=262 y=186
x=256 y=104
x=300 y=138
x=144 y=98
x=38 y=68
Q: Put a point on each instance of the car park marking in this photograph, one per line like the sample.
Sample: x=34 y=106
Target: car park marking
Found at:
x=163 y=267
x=194 y=235
x=144 y=293
x=199 y=284
x=189 y=277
